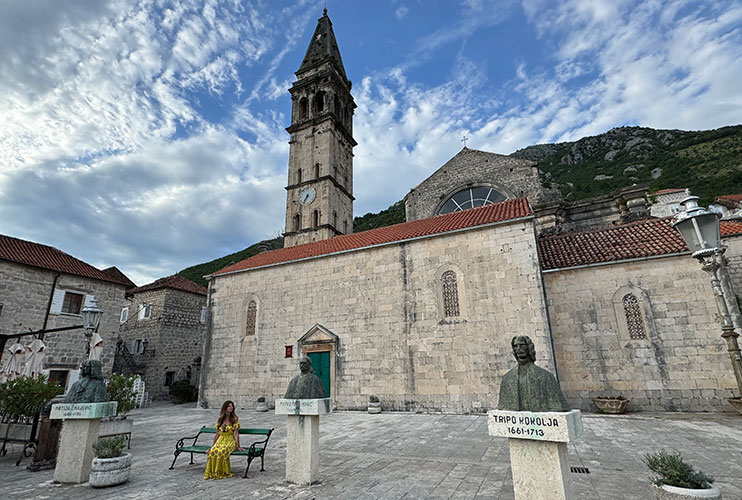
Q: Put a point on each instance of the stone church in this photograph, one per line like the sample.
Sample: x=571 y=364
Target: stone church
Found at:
x=421 y=313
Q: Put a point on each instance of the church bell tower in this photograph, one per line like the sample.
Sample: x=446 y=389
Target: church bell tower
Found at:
x=319 y=193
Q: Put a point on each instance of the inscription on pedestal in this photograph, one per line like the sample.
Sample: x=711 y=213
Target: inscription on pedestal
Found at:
x=66 y=411
x=541 y=426
x=304 y=406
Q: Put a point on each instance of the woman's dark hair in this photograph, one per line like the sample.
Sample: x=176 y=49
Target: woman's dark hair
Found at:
x=223 y=414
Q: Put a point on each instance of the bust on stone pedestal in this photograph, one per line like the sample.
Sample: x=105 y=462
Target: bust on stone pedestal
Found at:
x=305 y=385
x=90 y=388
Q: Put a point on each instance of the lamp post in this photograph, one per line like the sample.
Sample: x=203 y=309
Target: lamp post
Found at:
x=700 y=230
x=90 y=320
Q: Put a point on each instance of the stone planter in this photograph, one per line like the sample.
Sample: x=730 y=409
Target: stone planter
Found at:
x=737 y=403
x=611 y=405
x=261 y=406
x=374 y=408
x=110 y=471
x=115 y=426
x=666 y=492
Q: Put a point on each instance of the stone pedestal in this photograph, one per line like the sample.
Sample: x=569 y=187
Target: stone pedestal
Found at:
x=79 y=433
x=538 y=450
x=302 y=437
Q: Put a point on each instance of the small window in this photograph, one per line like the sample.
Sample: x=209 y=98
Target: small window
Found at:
x=315 y=218
x=204 y=314
x=316 y=170
x=251 y=318
x=139 y=346
x=72 y=303
x=298 y=176
x=319 y=102
x=1 y=309
x=450 y=294
x=169 y=378
x=124 y=315
x=145 y=311
x=634 y=321
x=334 y=219
x=302 y=108
x=297 y=222
x=60 y=377
x=345 y=227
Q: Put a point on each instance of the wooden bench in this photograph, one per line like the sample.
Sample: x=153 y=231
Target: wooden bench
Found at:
x=255 y=450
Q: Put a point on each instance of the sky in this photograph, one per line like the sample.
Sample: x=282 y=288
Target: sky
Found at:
x=150 y=134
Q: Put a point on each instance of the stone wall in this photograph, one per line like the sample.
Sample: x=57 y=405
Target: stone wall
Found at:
x=384 y=305
x=25 y=293
x=682 y=365
x=510 y=176
x=174 y=335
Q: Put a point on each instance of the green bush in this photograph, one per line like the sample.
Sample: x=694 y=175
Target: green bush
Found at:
x=26 y=396
x=182 y=392
x=121 y=390
x=671 y=469
x=109 y=447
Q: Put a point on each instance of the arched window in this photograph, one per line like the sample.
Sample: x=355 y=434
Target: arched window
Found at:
x=319 y=102
x=298 y=176
x=316 y=170
x=303 y=108
x=634 y=320
x=470 y=198
x=450 y=294
x=297 y=222
x=250 y=318
x=315 y=218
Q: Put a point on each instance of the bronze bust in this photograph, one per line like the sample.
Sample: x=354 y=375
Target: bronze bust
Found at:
x=90 y=388
x=306 y=385
x=528 y=387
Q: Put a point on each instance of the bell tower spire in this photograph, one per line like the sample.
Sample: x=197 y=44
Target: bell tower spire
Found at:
x=319 y=193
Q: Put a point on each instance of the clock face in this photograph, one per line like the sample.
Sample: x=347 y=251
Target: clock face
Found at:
x=307 y=196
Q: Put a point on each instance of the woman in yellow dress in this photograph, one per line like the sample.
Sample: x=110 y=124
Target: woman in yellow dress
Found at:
x=226 y=440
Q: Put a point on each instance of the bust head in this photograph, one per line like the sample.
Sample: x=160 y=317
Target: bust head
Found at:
x=523 y=349
x=305 y=364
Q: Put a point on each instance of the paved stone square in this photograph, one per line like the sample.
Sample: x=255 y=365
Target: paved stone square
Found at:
x=401 y=456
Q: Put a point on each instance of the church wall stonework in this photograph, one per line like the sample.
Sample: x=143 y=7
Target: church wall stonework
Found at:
x=513 y=177
x=682 y=365
x=382 y=303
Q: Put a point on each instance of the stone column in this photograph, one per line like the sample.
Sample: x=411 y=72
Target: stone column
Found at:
x=79 y=433
x=538 y=450
x=302 y=437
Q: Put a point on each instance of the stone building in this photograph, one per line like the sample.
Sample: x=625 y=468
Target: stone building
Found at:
x=161 y=333
x=43 y=288
x=421 y=314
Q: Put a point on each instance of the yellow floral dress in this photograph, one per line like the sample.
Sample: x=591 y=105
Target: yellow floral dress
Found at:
x=217 y=465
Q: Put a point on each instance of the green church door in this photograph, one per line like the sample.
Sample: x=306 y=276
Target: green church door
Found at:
x=321 y=367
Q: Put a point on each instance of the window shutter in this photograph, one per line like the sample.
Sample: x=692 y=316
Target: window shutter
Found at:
x=57 y=302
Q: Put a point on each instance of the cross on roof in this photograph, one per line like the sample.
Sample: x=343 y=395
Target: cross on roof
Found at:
x=464 y=139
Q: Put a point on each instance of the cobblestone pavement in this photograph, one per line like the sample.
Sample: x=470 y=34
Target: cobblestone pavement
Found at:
x=401 y=456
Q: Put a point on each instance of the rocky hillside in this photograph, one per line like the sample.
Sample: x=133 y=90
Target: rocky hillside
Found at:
x=708 y=162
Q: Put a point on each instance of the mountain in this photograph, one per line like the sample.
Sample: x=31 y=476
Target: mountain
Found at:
x=707 y=162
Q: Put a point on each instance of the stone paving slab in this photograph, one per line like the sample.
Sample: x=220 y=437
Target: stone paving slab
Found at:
x=394 y=456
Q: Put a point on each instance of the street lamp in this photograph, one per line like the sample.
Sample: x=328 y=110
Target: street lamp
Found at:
x=90 y=320
x=700 y=230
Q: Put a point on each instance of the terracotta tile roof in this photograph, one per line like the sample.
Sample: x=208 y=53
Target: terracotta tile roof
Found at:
x=730 y=227
x=176 y=282
x=668 y=191
x=627 y=241
x=46 y=257
x=115 y=272
x=496 y=212
x=733 y=198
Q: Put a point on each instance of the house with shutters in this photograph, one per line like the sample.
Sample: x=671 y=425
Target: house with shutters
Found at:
x=162 y=326
x=43 y=288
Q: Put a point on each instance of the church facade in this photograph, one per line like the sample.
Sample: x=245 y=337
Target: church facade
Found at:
x=421 y=314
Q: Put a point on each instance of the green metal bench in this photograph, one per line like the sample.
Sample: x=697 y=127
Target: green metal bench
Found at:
x=255 y=450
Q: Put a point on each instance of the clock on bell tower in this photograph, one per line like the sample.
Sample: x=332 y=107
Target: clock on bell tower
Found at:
x=319 y=194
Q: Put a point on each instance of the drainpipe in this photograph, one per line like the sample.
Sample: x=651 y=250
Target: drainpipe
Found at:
x=49 y=305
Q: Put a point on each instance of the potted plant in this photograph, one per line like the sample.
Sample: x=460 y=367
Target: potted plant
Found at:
x=110 y=467
x=676 y=480
x=261 y=404
x=120 y=389
x=611 y=404
x=373 y=405
x=20 y=400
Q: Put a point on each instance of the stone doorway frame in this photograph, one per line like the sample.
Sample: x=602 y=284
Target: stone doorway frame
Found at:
x=320 y=339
